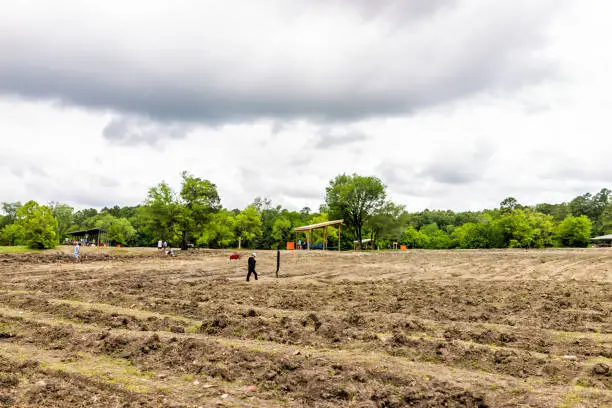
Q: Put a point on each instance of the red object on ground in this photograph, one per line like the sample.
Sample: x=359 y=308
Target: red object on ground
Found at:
x=234 y=256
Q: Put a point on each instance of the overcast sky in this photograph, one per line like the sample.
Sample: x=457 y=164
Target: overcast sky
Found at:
x=454 y=104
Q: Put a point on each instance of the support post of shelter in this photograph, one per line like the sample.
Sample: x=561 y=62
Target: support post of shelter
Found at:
x=339 y=226
x=325 y=238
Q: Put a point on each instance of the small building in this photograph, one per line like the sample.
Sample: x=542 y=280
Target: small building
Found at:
x=603 y=241
x=96 y=236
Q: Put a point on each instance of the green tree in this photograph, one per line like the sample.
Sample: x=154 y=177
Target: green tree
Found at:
x=281 y=231
x=268 y=214
x=509 y=204
x=385 y=223
x=12 y=234
x=354 y=198
x=120 y=230
x=220 y=231
x=592 y=206
x=163 y=214
x=414 y=239
x=85 y=219
x=38 y=225
x=199 y=200
x=471 y=236
x=606 y=220
x=64 y=215
x=574 y=231
x=435 y=238
x=10 y=211
x=525 y=229
x=248 y=225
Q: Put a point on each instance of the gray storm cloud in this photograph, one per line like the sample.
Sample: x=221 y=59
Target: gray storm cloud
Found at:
x=199 y=62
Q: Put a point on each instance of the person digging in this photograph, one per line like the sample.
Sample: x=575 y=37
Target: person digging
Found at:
x=251 y=265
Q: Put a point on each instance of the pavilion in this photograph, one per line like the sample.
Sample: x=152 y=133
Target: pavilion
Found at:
x=307 y=229
x=96 y=236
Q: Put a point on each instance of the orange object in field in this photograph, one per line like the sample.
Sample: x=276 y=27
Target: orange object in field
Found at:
x=403 y=247
x=118 y=246
x=290 y=246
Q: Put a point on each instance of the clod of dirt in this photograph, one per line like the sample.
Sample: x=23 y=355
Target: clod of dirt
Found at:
x=9 y=379
x=413 y=325
x=399 y=338
x=601 y=369
x=177 y=329
x=315 y=321
x=250 y=313
x=353 y=318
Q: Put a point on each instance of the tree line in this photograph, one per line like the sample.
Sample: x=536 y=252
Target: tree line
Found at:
x=192 y=215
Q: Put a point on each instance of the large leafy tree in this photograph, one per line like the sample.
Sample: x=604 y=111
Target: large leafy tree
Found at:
x=220 y=231
x=248 y=225
x=525 y=229
x=120 y=230
x=38 y=225
x=163 y=213
x=64 y=215
x=85 y=219
x=281 y=231
x=414 y=238
x=354 y=198
x=592 y=206
x=10 y=211
x=386 y=223
x=574 y=231
x=471 y=235
x=11 y=234
x=199 y=199
x=268 y=214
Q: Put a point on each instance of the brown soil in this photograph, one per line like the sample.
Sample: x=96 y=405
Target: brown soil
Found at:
x=419 y=328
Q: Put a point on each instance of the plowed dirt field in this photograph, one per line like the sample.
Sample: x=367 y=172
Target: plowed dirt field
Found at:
x=129 y=328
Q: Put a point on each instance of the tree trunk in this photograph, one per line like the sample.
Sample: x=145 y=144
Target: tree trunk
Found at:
x=184 y=241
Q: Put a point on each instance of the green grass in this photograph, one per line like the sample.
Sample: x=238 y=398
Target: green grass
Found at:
x=16 y=249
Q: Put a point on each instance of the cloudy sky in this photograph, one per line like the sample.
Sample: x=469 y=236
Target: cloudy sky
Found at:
x=452 y=103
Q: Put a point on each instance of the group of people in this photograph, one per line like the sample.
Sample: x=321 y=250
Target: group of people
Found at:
x=162 y=247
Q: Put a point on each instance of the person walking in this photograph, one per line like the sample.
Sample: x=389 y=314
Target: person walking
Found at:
x=159 y=245
x=251 y=264
x=77 y=252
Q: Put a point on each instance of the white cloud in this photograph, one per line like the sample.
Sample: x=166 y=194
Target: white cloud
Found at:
x=455 y=106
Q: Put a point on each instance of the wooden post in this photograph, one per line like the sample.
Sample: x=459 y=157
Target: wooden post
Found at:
x=339 y=226
x=325 y=238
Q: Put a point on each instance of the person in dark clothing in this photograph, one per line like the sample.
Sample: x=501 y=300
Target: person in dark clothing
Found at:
x=251 y=264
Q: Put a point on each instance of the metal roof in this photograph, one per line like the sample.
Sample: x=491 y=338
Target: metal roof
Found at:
x=319 y=225
x=603 y=238
x=88 y=231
